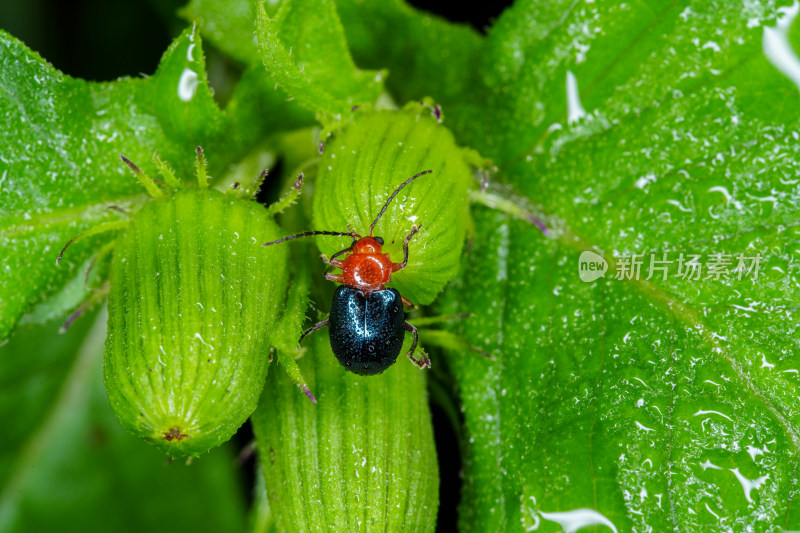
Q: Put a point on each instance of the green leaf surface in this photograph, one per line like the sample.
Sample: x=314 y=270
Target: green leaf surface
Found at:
x=229 y=24
x=60 y=172
x=60 y=169
x=66 y=464
x=659 y=403
x=667 y=403
x=259 y=109
x=305 y=50
x=425 y=54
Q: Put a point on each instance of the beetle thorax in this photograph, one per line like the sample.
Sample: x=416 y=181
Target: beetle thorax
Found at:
x=367 y=271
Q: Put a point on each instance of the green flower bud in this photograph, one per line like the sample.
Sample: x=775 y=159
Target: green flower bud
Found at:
x=361 y=459
x=366 y=161
x=193 y=298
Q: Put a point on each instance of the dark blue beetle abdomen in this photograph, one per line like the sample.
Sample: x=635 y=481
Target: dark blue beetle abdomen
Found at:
x=366 y=332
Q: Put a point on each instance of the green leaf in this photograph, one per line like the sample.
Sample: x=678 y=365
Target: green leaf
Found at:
x=655 y=404
x=286 y=330
x=304 y=48
x=65 y=463
x=256 y=95
x=425 y=55
x=229 y=24
x=179 y=95
x=60 y=169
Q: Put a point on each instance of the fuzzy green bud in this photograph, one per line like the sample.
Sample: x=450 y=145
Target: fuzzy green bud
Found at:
x=193 y=298
x=366 y=161
x=361 y=459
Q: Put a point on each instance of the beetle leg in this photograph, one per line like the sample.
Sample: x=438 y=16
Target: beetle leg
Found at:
x=336 y=278
x=400 y=266
x=407 y=302
x=315 y=327
x=332 y=262
x=422 y=363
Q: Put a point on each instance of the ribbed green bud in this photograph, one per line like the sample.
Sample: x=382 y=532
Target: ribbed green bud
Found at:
x=193 y=298
x=366 y=161
x=361 y=459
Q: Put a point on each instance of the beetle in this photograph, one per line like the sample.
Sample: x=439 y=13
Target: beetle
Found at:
x=367 y=321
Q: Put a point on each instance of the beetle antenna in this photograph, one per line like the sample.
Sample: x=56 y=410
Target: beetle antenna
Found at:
x=309 y=233
x=397 y=190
